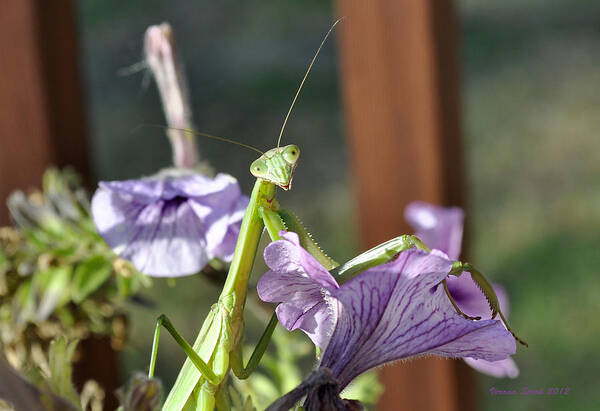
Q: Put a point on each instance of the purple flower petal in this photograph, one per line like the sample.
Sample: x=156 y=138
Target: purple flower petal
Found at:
x=399 y=310
x=499 y=369
x=302 y=286
x=170 y=225
x=438 y=227
x=224 y=249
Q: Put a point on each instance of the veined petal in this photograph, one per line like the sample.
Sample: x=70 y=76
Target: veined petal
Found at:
x=304 y=304
x=438 y=227
x=399 y=310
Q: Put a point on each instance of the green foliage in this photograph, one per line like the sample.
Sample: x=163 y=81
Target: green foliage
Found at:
x=60 y=357
x=20 y=394
x=365 y=388
x=58 y=278
x=49 y=387
x=89 y=276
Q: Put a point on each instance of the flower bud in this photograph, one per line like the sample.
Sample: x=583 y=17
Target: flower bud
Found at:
x=161 y=58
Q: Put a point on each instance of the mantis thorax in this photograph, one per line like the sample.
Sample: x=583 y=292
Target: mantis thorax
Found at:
x=277 y=166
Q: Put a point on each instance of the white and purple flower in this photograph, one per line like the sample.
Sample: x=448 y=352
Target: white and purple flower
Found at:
x=442 y=228
x=390 y=312
x=171 y=224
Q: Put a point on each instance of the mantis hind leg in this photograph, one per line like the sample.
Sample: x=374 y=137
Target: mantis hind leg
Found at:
x=163 y=321
x=237 y=360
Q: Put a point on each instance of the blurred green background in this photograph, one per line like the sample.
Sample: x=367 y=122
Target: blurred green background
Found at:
x=531 y=115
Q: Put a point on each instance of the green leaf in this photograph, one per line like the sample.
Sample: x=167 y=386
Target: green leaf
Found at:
x=89 y=276
x=24 y=302
x=4 y=263
x=28 y=395
x=54 y=292
x=60 y=358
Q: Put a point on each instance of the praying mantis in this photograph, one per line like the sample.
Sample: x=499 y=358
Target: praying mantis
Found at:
x=218 y=346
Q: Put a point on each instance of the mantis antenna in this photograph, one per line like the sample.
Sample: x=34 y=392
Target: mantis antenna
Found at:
x=305 y=77
x=199 y=133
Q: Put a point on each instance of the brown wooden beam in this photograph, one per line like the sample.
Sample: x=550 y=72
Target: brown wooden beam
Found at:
x=26 y=147
x=42 y=123
x=42 y=118
x=400 y=82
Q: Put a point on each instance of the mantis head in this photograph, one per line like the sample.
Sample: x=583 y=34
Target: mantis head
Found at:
x=277 y=166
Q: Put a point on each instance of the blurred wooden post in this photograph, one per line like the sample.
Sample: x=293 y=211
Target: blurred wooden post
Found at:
x=42 y=118
x=400 y=84
x=42 y=123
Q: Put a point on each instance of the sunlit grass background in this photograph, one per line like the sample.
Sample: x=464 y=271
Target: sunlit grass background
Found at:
x=531 y=115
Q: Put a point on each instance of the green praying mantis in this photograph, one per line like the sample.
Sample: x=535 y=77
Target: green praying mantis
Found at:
x=218 y=346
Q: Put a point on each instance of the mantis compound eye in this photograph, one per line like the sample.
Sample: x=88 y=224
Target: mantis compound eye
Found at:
x=258 y=168
x=291 y=153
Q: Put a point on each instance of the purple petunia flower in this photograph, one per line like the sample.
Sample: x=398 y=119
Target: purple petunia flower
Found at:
x=442 y=228
x=393 y=311
x=171 y=224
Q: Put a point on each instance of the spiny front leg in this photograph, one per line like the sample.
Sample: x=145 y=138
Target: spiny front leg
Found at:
x=293 y=223
x=488 y=291
x=458 y=310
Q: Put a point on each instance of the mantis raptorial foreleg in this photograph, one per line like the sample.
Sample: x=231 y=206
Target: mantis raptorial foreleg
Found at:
x=377 y=255
x=487 y=290
x=293 y=223
x=458 y=310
